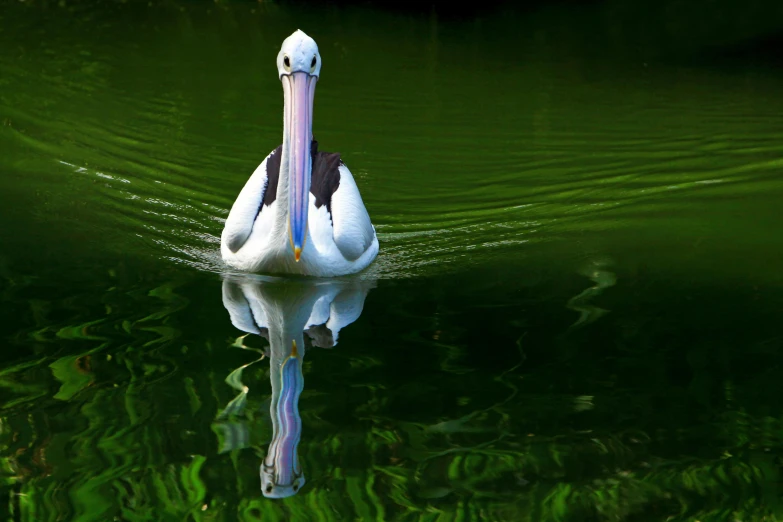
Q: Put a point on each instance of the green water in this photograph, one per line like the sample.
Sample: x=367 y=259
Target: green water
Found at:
x=575 y=314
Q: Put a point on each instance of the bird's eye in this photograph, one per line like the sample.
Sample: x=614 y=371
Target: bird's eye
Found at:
x=269 y=487
x=287 y=62
x=312 y=64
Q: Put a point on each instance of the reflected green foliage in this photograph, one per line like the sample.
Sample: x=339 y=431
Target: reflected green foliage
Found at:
x=577 y=312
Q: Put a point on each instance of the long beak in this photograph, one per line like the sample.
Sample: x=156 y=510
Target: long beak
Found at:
x=299 y=89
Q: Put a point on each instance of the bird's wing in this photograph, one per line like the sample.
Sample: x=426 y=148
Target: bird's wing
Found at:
x=332 y=185
x=353 y=231
x=259 y=191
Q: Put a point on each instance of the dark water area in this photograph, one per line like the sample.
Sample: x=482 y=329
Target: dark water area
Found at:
x=574 y=315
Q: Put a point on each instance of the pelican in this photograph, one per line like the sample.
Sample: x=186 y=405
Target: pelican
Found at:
x=300 y=212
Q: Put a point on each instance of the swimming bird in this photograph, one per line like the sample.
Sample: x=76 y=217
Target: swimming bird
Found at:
x=300 y=212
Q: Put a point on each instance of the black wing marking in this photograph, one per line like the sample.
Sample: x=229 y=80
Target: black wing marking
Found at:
x=321 y=336
x=272 y=176
x=325 y=179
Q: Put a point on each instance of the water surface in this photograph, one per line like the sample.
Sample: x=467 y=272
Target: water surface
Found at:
x=574 y=315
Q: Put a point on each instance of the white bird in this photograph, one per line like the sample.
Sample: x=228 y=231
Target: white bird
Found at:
x=300 y=212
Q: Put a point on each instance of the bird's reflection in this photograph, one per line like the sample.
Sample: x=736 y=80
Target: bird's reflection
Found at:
x=285 y=313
